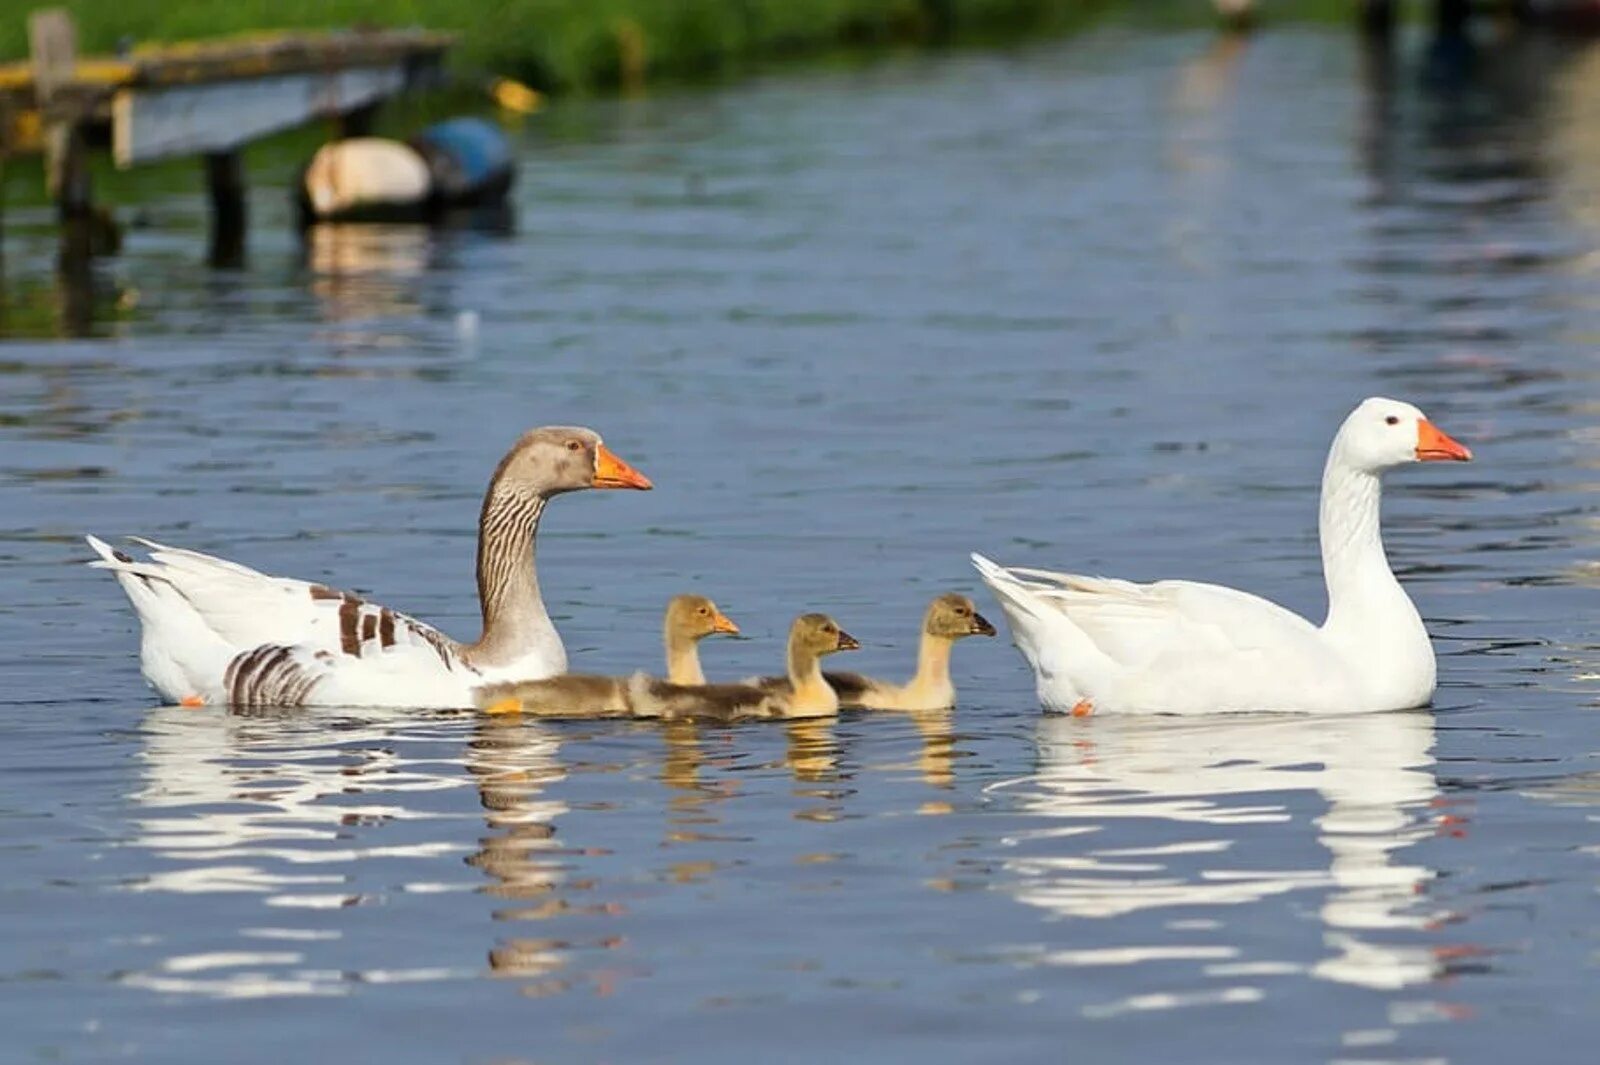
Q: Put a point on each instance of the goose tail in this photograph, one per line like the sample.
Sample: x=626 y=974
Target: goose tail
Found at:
x=1067 y=665
x=179 y=654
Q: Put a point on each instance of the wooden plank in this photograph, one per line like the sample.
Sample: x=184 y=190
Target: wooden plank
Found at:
x=285 y=54
x=252 y=56
x=149 y=124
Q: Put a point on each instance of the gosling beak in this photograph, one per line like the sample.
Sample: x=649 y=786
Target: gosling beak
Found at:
x=847 y=642
x=1434 y=446
x=612 y=472
x=723 y=623
x=981 y=626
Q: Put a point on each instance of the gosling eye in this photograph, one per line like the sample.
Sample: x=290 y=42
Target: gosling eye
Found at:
x=704 y=611
x=1393 y=419
x=573 y=445
x=962 y=611
x=828 y=628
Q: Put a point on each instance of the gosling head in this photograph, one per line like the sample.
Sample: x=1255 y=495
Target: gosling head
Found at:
x=563 y=458
x=954 y=616
x=1382 y=433
x=820 y=635
x=695 y=617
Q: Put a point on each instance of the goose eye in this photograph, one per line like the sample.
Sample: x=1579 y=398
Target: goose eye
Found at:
x=961 y=611
x=573 y=445
x=704 y=611
x=1392 y=420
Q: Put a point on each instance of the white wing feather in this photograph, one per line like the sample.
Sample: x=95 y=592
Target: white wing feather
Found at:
x=227 y=633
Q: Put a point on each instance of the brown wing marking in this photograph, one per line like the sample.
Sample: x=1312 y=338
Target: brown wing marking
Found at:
x=349 y=616
x=358 y=624
x=268 y=675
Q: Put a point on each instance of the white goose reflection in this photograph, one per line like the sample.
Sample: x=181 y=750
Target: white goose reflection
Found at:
x=293 y=809
x=1375 y=772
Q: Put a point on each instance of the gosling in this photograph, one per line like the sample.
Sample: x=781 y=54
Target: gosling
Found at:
x=949 y=618
x=805 y=693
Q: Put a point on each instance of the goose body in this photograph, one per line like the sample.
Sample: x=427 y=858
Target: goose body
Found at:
x=1098 y=645
x=215 y=632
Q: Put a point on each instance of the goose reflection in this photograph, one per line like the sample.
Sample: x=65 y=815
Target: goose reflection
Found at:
x=515 y=763
x=1202 y=793
x=292 y=809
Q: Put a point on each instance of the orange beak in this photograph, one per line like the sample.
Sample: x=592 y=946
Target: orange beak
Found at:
x=612 y=472
x=1434 y=446
x=723 y=623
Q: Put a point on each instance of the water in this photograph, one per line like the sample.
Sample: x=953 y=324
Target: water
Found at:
x=1099 y=305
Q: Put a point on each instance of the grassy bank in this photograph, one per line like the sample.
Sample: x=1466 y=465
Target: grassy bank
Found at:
x=582 y=45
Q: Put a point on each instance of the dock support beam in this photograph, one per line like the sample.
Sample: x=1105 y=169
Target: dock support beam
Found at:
x=225 y=186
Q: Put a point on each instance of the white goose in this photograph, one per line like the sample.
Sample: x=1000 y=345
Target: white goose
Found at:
x=216 y=632
x=1178 y=647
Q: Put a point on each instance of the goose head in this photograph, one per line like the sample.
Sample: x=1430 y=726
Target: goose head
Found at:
x=818 y=634
x=1382 y=433
x=954 y=616
x=563 y=458
x=694 y=617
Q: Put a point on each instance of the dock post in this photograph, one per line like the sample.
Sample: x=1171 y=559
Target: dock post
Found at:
x=225 y=186
x=53 y=45
x=1377 y=18
x=53 y=42
x=1451 y=16
x=357 y=122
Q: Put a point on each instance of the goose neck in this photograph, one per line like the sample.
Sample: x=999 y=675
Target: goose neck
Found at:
x=508 y=583
x=1354 y=563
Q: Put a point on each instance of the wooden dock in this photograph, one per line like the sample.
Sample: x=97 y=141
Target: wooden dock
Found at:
x=203 y=99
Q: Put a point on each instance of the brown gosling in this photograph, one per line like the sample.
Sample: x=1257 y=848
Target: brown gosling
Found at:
x=806 y=693
x=688 y=620
x=949 y=618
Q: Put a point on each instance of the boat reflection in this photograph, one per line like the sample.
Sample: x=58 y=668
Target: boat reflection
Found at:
x=1154 y=813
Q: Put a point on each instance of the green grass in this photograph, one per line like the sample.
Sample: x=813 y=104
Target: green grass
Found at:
x=596 y=45
x=578 y=45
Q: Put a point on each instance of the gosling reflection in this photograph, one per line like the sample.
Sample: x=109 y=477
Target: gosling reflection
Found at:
x=693 y=800
x=1232 y=778
x=813 y=750
x=936 y=756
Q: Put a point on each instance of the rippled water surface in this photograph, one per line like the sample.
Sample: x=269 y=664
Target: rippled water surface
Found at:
x=1096 y=305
